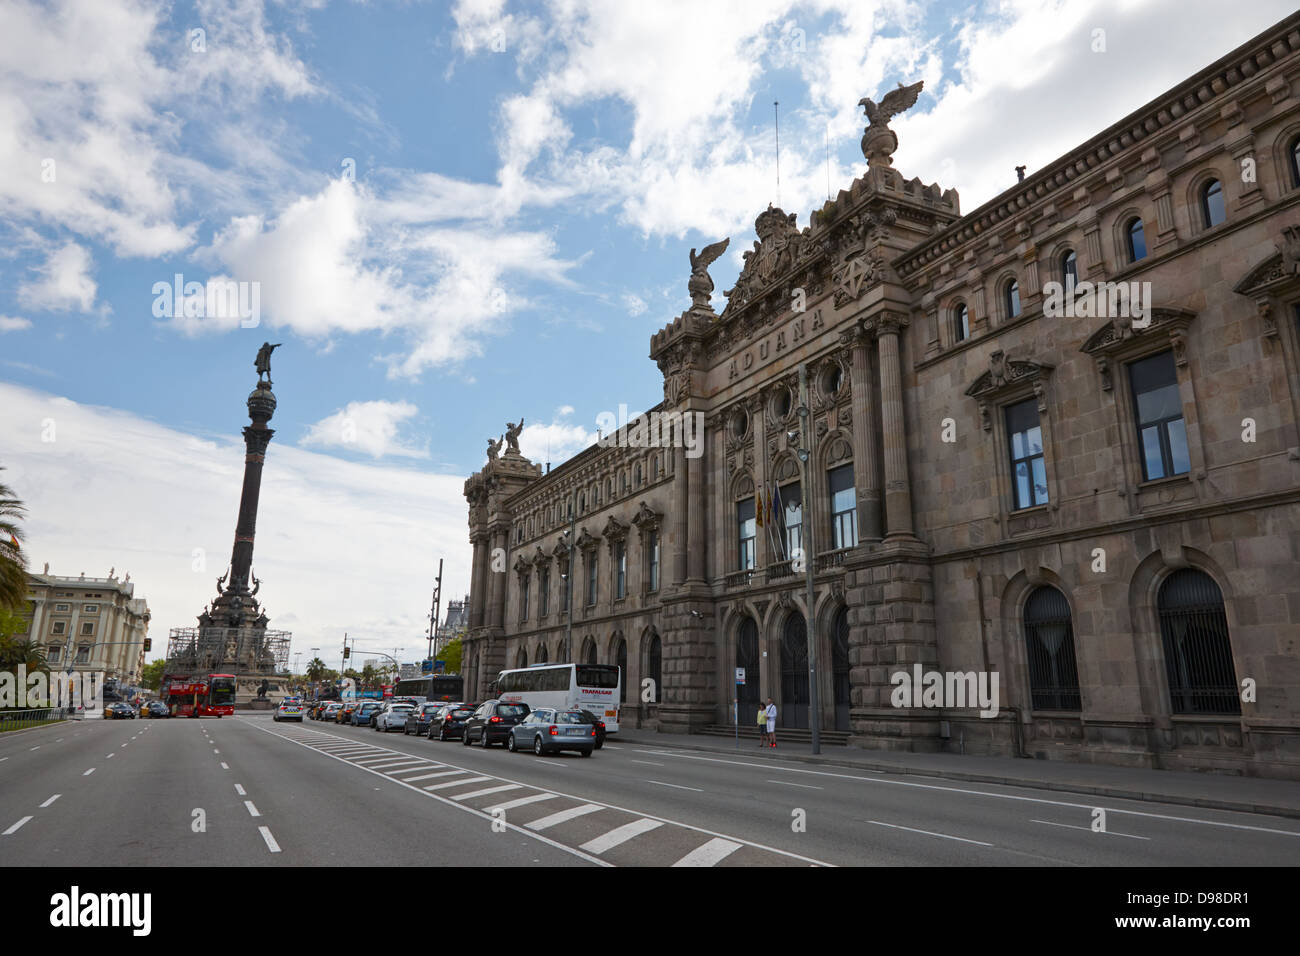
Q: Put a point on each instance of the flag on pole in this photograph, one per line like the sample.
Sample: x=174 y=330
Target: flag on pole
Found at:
x=758 y=508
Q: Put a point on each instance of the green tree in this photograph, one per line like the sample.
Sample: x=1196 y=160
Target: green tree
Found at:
x=12 y=623
x=316 y=669
x=13 y=565
x=451 y=654
x=369 y=676
x=152 y=674
x=15 y=651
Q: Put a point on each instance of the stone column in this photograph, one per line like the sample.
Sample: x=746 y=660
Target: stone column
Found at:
x=898 y=493
x=866 y=456
x=477 y=583
x=496 y=589
x=695 y=529
x=680 y=507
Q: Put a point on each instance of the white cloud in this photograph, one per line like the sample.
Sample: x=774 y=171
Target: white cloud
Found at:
x=556 y=441
x=369 y=427
x=116 y=490
x=12 y=323
x=634 y=303
x=64 y=284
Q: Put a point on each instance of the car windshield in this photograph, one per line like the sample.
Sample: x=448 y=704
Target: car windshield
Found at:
x=403 y=709
x=573 y=717
x=462 y=712
x=512 y=710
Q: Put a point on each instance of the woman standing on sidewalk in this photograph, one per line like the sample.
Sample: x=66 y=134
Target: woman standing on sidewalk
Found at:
x=771 y=721
x=762 y=724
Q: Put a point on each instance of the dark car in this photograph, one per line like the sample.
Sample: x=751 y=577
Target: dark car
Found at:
x=448 y=722
x=491 y=723
x=547 y=731
x=119 y=711
x=417 y=722
x=600 y=727
x=155 y=708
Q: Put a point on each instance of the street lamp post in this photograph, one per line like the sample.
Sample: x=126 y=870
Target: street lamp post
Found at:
x=810 y=631
x=568 y=578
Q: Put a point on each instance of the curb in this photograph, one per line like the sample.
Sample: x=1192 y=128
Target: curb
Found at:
x=1204 y=803
x=27 y=730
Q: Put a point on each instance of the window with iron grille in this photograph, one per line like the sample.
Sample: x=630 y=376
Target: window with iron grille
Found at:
x=747 y=532
x=1198 y=653
x=1162 y=433
x=1049 y=645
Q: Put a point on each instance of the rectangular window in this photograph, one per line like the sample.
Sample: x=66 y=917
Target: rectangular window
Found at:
x=748 y=531
x=60 y=627
x=87 y=628
x=83 y=654
x=654 y=561
x=60 y=607
x=844 y=512
x=544 y=591
x=592 y=567
x=1162 y=435
x=53 y=653
x=620 y=561
x=566 y=576
x=790 y=513
x=90 y=609
x=525 y=585
x=1025 y=438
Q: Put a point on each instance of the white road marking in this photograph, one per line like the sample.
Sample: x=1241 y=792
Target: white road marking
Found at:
x=457 y=783
x=710 y=854
x=38 y=747
x=545 y=823
x=1071 y=826
x=787 y=783
x=619 y=835
x=59 y=741
x=89 y=772
x=521 y=802
x=648 y=763
x=252 y=810
x=396 y=763
x=240 y=790
x=215 y=750
x=430 y=776
x=14 y=829
x=944 y=836
x=612 y=747
x=109 y=756
x=270 y=840
x=483 y=793
x=51 y=800
x=675 y=786
x=400 y=773
x=224 y=765
x=6 y=758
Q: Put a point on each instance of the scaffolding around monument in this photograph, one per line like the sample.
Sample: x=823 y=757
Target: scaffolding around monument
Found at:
x=239 y=650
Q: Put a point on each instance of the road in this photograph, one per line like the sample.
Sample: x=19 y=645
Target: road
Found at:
x=247 y=791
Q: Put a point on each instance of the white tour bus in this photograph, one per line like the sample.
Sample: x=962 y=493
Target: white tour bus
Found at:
x=593 y=687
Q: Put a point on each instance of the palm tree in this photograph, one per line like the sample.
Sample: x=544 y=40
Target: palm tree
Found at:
x=13 y=565
x=315 y=669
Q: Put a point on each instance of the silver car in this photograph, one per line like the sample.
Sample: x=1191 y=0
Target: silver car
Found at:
x=550 y=731
x=393 y=717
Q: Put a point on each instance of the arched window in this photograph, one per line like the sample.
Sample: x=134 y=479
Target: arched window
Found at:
x=521 y=659
x=1198 y=654
x=655 y=666
x=1049 y=645
x=840 y=668
x=1011 y=299
x=960 y=323
x=638 y=475
x=794 y=672
x=748 y=693
x=589 y=651
x=1295 y=162
x=1070 y=269
x=1137 y=240
x=542 y=656
x=620 y=658
x=1212 y=212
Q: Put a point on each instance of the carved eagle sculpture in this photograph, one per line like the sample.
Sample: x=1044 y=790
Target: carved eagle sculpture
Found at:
x=700 y=284
x=891 y=104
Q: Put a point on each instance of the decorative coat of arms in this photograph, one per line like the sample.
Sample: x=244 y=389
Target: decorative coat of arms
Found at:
x=857 y=274
x=775 y=252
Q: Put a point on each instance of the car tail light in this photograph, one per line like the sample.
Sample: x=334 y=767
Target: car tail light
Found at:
x=554 y=730
x=494 y=720
x=593 y=731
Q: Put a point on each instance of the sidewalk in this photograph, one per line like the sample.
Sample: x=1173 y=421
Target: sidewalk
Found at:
x=1206 y=790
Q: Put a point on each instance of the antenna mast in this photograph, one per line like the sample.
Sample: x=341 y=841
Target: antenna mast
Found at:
x=776 y=114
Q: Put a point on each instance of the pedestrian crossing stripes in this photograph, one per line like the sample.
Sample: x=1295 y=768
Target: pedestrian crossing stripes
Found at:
x=598 y=832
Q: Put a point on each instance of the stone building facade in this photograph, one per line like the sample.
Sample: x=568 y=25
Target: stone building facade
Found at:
x=94 y=624
x=1094 y=497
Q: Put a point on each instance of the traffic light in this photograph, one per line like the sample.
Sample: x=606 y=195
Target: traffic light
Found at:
x=148 y=644
x=347 y=652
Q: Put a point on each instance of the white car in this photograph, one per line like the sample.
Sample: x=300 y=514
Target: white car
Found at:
x=288 y=710
x=393 y=717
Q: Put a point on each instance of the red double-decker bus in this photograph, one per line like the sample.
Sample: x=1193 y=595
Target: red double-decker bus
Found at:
x=209 y=696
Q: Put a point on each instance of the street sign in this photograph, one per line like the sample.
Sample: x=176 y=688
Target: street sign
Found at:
x=426 y=667
x=740 y=675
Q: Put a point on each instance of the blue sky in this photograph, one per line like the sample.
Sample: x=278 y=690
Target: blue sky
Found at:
x=456 y=214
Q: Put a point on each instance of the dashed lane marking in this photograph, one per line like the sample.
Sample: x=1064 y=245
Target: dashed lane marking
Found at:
x=270 y=840
x=51 y=800
x=224 y=765
x=787 y=783
x=1071 y=826
x=89 y=772
x=945 y=836
x=240 y=790
x=675 y=786
x=252 y=810
x=14 y=829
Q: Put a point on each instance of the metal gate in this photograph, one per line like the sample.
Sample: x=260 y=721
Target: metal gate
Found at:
x=749 y=693
x=1198 y=654
x=794 y=673
x=840 y=669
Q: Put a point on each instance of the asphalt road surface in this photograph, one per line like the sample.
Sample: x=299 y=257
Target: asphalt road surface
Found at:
x=247 y=791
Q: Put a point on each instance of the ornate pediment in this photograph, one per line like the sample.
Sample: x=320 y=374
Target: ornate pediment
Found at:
x=779 y=246
x=646 y=519
x=614 y=530
x=541 y=558
x=586 y=541
x=1278 y=270
x=522 y=565
x=1004 y=377
x=1119 y=337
